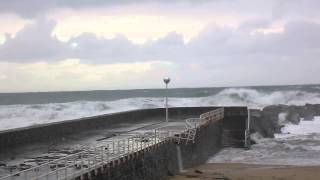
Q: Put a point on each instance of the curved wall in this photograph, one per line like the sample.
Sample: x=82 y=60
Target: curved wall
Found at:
x=48 y=132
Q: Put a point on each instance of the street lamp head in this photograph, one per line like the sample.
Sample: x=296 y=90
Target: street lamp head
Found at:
x=166 y=80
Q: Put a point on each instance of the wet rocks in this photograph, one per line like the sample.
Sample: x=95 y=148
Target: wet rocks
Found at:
x=271 y=119
x=263 y=122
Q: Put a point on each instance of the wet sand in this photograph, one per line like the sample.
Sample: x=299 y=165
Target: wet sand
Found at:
x=233 y=171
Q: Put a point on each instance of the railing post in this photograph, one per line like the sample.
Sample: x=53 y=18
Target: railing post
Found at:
x=57 y=171
x=37 y=173
x=141 y=144
x=65 y=167
x=113 y=147
x=102 y=153
x=124 y=146
x=128 y=145
x=94 y=156
x=81 y=163
x=108 y=152
x=25 y=175
x=118 y=146
x=74 y=164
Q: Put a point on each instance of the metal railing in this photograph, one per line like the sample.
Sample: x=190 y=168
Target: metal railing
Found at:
x=192 y=124
x=213 y=115
x=87 y=159
x=74 y=165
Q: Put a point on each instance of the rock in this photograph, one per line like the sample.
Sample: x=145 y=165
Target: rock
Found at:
x=260 y=122
x=256 y=137
x=169 y=173
x=60 y=165
x=272 y=118
x=198 y=171
x=309 y=116
x=306 y=112
x=316 y=108
x=3 y=164
x=77 y=166
x=293 y=117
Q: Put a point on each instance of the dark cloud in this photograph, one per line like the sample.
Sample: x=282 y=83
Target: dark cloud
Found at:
x=27 y=9
x=273 y=9
x=34 y=8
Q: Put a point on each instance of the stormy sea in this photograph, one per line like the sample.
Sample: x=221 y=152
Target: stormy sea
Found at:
x=293 y=144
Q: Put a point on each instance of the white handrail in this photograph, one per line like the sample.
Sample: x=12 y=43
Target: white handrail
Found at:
x=84 y=161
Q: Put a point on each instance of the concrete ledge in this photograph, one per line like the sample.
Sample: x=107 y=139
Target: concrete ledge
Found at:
x=161 y=161
x=49 y=132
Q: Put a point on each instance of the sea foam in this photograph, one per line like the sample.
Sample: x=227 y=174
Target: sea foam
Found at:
x=14 y=116
x=296 y=145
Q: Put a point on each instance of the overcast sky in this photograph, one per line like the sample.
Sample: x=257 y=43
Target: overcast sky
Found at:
x=60 y=45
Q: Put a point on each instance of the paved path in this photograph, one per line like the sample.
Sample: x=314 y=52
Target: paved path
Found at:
x=37 y=154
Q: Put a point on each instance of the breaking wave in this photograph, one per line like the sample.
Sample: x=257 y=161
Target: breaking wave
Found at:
x=296 y=145
x=260 y=99
x=14 y=116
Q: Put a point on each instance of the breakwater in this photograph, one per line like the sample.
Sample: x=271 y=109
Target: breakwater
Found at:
x=156 y=159
x=162 y=160
x=49 y=132
x=169 y=157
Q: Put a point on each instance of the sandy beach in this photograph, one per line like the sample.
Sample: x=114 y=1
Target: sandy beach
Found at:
x=235 y=171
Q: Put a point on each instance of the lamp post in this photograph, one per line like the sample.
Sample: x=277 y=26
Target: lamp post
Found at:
x=166 y=80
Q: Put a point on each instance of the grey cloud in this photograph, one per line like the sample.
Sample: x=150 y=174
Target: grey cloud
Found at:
x=215 y=44
x=103 y=50
x=34 y=42
x=297 y=38
x=222 y=53
x=35 y=8
x=273 y=9
x=27 y=9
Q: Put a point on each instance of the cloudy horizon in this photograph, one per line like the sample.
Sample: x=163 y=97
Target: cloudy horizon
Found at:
x=94 y=45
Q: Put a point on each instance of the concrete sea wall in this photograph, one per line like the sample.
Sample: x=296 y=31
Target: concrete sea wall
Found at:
x=49 y=132
x=152 y=163
x=161 y=160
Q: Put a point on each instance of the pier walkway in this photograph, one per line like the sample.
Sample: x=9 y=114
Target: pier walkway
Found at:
x=109 y=149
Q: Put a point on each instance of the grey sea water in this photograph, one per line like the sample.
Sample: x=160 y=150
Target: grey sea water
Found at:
x=302 y=147
x=27 y=109
x=111 y=95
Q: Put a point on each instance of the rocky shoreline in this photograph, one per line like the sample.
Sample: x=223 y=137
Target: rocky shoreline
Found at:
x=271 y=119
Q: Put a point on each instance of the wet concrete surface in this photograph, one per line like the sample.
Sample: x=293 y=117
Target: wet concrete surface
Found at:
x=29 y=156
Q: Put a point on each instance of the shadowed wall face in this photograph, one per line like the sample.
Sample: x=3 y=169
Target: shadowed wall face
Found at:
x=161 y=160
x=234 y=126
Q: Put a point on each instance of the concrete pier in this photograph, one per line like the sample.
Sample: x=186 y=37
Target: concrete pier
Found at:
x=155 y=159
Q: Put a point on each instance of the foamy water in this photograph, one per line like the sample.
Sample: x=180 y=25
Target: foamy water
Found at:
x=14 y=116
x=296 y=145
